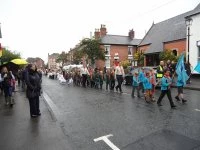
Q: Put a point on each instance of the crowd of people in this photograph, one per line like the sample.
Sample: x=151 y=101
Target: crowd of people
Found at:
x=29 y=79
x=144 y=81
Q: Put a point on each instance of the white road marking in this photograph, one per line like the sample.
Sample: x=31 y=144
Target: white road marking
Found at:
x=197 y=109
x=107 y=141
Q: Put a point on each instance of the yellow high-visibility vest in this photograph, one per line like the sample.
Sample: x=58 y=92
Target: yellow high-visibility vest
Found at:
x=160 y=75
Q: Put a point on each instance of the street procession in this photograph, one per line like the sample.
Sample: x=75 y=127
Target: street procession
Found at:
x=76 y=77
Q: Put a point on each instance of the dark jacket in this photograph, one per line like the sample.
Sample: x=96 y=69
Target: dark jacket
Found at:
x=7 y=79
x=33 y=82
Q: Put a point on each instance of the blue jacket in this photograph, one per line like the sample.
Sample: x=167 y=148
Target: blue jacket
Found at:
x=135 y=81
x=164 y=83
x=141 y=76
x=147 y=84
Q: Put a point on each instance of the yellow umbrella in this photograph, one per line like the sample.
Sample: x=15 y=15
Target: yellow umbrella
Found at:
x=19 y=61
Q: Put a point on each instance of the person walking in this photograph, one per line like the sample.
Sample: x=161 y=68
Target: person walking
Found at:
x=112 y=79
x=147 y=87
x=153 y=82
x=180 y=85
x=165 y=89
x=119 y=75
x=84 y=74
x=135 y=85
x=141 y=78
x=33 y=82
x=107 y=79
x=160 y=71
x=7 y=84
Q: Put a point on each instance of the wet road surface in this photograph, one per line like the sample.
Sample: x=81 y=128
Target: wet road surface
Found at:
x=85 y=114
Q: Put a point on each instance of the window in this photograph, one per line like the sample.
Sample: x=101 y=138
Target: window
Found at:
x=107 y=49
x=175 y=52
x=130 y=50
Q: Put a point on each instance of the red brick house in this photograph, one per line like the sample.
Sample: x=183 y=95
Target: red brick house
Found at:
x=169 y=34
x=116 y=47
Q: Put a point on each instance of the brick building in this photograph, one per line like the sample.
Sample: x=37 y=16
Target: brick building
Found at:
x=37 y=61
x=170 y=34
x=52 y=65
x=116 y=47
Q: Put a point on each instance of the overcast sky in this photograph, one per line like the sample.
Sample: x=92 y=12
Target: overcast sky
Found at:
x=38 y=27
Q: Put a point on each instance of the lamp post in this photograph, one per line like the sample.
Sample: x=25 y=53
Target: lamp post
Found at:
x=188 y=23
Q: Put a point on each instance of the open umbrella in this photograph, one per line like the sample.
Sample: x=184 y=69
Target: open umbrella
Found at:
x=19 y=61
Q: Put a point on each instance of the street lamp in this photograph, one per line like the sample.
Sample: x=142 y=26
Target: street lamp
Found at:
x=188 y=23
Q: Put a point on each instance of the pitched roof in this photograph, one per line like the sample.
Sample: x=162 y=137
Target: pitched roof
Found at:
x=119 y=40
x=195 y=11
x=169 y=30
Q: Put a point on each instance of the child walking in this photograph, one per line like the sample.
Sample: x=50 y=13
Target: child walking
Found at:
x=107 y=79
x=165 y=89
x=112 y=80
x=147 y=87
x=153 y=82
x=180 y=85
x=135 y=85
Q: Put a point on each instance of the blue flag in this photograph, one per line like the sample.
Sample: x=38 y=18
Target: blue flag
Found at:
x=180 y=70
x=197 y=68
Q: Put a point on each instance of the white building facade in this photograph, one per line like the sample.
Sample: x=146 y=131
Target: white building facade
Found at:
x=193 y=33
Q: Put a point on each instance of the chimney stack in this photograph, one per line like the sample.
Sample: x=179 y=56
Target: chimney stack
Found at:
x=97 y=34
x=103 y=31
x=131 y=34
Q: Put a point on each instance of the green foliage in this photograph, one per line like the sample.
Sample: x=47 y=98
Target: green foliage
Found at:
x=9 y=55
x=77 y=56
x=91 y=48
x=167 y=55
x=125 y=63
x=139 y=56
x=62 y=58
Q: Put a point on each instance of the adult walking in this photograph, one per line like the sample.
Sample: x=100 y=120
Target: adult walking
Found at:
x=33 y=82
x=119 y=75
x=84 y=73
x=160 y=71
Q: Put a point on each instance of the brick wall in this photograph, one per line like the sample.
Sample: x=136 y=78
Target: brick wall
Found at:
x=179 y=45
x=122 y=51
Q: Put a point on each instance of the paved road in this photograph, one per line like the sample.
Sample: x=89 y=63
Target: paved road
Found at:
x=85 y=114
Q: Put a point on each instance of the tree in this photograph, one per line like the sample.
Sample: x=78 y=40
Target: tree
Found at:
x=167 y=55
x=139 y=56
x=62 y=58
x=77 y=56
x=91 y=48
x=9 y=55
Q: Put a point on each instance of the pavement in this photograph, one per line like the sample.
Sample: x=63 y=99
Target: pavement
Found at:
x=20 y=132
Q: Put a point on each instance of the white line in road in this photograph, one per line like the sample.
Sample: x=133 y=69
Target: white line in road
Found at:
x=197 y=109
x=107 y=141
